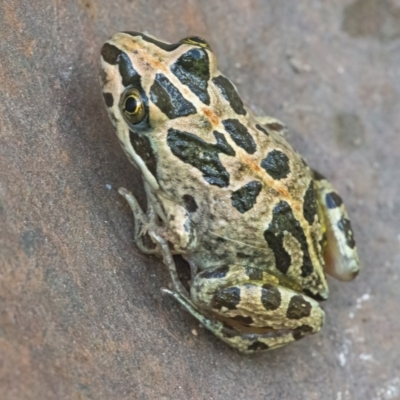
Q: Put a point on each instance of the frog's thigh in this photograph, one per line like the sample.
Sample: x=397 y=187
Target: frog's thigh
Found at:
x=142 y=223
x=341 y=259
x=263 y=314
x=272 y=124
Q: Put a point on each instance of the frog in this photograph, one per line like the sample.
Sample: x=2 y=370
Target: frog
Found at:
x=258 y=228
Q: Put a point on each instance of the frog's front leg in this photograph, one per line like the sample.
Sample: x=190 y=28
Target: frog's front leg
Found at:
x=249 y=310
x=149 y=240
x=143 y=223
x=340 y=253
x=166 y=219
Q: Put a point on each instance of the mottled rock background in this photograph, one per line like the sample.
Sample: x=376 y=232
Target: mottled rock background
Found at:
x=81 y=313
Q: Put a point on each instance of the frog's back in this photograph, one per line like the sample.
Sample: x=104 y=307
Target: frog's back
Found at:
x=257 y=206
x=255 y=195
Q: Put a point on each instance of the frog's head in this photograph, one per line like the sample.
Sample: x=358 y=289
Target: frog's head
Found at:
x=154 y=91
x=147 y=83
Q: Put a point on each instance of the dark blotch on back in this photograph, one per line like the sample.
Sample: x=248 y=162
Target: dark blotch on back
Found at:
x=298 y=307
x=244 y=198
x=109 y=99
x=229 y=298
x=282 y=257
x=284 y=220
x=169 y=99
x=161 y=45
x=260 y=128
x=333 y=200
x=229 y=92
x=143 y=149
x=310 y=204
x=222 y=144
x=240 y=135
x=257 y=346
x=202 y=155
x=345 y=226
x=193 y=70
x=190 y=203
x=270 y=297
x=276 y=164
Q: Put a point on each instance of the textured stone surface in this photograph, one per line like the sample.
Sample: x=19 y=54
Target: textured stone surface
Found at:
x=81 y=313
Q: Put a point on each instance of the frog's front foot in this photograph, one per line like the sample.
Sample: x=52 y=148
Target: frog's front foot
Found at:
x=143 y=224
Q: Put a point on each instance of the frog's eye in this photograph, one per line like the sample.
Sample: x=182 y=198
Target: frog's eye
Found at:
x=133 y=106
x=197 y=41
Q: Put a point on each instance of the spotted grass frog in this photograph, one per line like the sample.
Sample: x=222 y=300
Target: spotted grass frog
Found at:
x=258 y=227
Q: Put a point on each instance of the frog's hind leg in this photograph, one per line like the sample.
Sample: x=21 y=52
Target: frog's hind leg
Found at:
x=249 y=310
x=245 y=343
x=142 y=223
x=340 y=253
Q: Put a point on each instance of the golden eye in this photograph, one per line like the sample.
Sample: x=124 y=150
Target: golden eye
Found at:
x=133 y=107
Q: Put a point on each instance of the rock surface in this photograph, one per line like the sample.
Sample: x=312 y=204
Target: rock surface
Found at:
x=81 y=313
